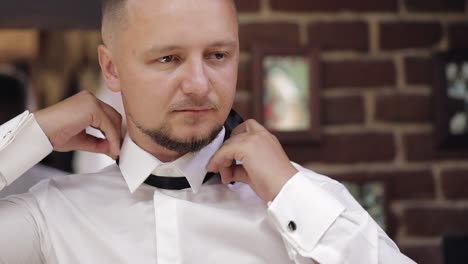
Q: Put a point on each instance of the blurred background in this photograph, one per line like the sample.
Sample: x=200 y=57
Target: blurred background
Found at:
x=377 y=99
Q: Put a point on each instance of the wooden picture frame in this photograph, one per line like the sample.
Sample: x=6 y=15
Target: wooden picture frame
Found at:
x=374 y=195
x=450 y=91
x=286 y=83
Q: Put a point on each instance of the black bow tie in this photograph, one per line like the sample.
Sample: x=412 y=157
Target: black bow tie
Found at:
x=173 y=183
x=179 y=183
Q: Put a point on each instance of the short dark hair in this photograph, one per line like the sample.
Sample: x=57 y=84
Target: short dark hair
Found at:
x=112 y=8
x=113 y=12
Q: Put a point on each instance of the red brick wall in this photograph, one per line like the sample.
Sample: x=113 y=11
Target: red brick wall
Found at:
x=377 y=111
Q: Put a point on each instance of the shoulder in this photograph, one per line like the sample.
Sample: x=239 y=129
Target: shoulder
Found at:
x=79 y=185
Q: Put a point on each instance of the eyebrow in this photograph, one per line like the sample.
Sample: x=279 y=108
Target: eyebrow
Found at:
x=168 y=48
x=227 y=43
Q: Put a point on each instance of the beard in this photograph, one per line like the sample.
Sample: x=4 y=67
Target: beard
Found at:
x=163 y=138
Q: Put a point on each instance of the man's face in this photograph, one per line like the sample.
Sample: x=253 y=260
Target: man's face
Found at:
x=177 y=62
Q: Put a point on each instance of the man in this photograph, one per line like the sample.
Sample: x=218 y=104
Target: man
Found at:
x=175 y=63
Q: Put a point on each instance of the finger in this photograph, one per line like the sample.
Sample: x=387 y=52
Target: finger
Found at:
x=116 y=119
x=86 y=142
x=247 y=126
x=222 y=158
x=235 y=173
x=241 y=128
x=226 y=175
x=114 y=116
x=110 y=131
x=239 y=174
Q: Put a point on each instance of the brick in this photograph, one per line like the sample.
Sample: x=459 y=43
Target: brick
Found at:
x=404 y=35
x=343 y=110
x=340 y=35
x=420 y=147
x=455 y=184
x=402 y=184
x=424 y=254
x=458 y=35
x=405 y=185
x=403 y=108
x=359 y=73
x=418 y=71
x=274 y=32
x=435 y=221
x=334 y=5
x=345 y=148
x=435 y=5
x=244 y=76
x=248 y=5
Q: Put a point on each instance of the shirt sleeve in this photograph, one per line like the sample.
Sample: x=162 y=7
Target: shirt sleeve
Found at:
x=22 y=145
x=319 y=220
x=20 y=239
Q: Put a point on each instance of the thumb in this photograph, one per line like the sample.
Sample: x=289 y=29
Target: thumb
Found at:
x=86 y=142
x=234 y=173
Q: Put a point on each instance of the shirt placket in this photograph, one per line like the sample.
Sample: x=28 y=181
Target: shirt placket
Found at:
x=167 y=233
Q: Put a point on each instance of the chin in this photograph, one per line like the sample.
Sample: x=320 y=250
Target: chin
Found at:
x=197 y=132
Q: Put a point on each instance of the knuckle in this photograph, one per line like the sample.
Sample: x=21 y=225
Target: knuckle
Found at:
x=275 y=139
x=88 y=100
x=251 y=122
x=85 y=95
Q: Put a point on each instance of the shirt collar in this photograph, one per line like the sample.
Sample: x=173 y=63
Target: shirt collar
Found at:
x=136 y=164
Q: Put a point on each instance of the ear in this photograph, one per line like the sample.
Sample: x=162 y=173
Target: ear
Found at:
x=108 y=68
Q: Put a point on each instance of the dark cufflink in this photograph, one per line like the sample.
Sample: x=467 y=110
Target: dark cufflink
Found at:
x=292 y=226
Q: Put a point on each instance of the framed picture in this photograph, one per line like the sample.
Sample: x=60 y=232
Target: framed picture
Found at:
x=450 y=90
x=372 y=193
x=285 y=96
x=371 y=196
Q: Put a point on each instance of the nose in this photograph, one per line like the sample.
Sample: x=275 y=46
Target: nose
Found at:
x=195 y=81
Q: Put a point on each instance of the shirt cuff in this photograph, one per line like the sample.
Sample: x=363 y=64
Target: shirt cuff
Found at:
x=303 y=212
x=22 y=145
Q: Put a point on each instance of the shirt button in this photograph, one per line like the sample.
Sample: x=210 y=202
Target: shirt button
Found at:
x=292 y=226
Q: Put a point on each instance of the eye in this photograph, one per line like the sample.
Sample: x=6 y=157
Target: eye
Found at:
x=166 y=59
x=219 y=56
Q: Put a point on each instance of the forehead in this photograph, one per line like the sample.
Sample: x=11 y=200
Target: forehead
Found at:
x=181 y=22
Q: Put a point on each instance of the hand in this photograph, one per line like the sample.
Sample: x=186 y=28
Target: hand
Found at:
x=65 y=124
x=264 y=164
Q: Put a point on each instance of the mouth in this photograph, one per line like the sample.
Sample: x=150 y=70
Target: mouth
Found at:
x=194 y=111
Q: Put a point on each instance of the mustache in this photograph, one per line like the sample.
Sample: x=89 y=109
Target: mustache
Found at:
x=194 y=103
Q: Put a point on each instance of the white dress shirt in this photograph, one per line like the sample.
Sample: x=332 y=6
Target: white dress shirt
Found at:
x=30 y=178
x=113 y=217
